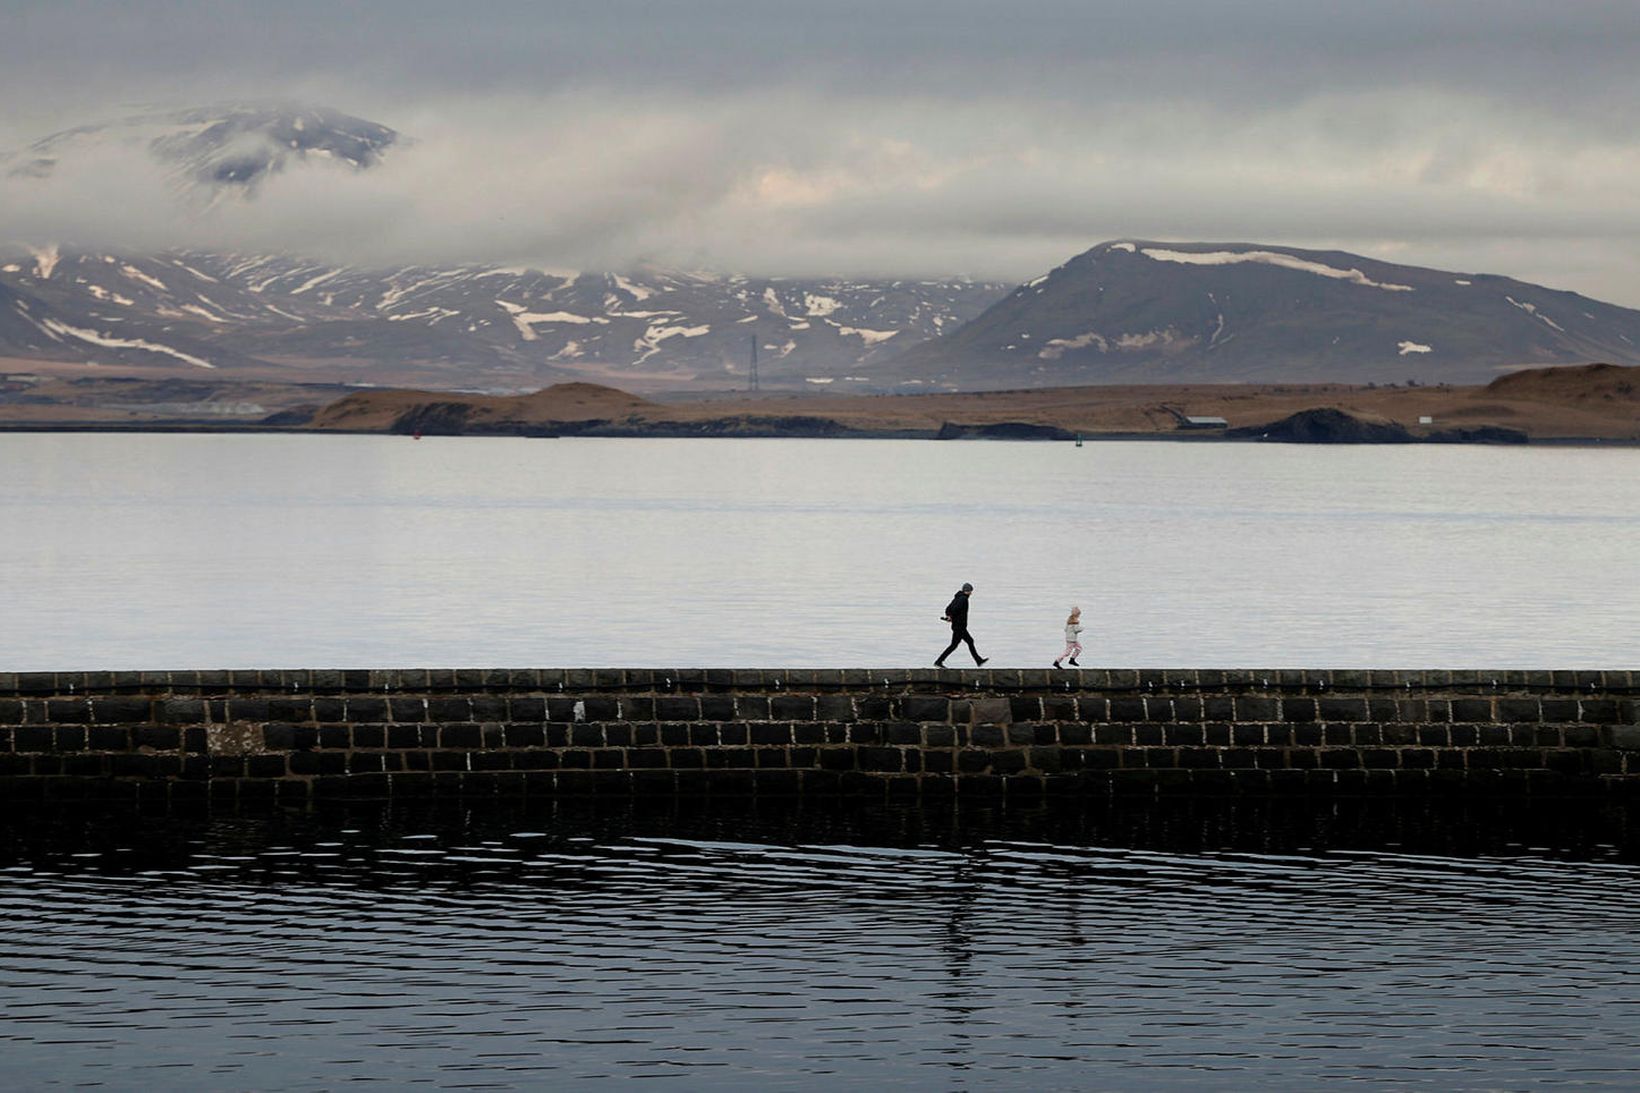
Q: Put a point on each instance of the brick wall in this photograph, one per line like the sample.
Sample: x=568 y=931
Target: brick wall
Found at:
x=296 y=735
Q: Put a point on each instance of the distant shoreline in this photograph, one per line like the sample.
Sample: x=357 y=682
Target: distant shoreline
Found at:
x=184 y=428
x=1596 y=405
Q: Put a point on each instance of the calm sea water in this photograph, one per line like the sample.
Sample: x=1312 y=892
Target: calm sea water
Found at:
x=156 y=551
x=1147 y=946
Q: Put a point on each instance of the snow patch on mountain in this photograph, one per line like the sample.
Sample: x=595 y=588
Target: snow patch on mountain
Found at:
x=45 y=260
x=314 y=282
x=650 y=342
x=1269 y=258
x=525 y=320
x=1412 y=347
x=1531 y=309
x=107 y=296
x=180 y=264
x=1152 y=338
x=637 y=292
x=137 y=275
x=870 y=337
x=1056 y=347
x=92 y=337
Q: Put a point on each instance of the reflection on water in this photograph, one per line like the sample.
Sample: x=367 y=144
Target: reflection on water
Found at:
x=1204 y=944
x=186 y=552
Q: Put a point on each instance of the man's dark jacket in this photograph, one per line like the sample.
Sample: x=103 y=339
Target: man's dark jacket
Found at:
x=957 y=611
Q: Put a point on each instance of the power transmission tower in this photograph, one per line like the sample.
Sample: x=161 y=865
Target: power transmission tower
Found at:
x=754 y=362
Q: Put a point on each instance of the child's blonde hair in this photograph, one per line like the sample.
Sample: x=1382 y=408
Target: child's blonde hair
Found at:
x=1072 y=617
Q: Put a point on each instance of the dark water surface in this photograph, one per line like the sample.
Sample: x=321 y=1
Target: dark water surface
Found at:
x=1212 y=945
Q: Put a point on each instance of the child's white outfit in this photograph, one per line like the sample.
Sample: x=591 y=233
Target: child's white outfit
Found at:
x=1073 y=644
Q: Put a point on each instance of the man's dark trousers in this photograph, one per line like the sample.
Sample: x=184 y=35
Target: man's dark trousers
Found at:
x=959 y=634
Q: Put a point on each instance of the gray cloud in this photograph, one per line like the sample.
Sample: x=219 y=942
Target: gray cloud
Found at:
x=911 y=138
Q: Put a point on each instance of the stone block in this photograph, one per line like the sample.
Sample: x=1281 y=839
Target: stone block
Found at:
x=1197 y=758
x=1626 y=737
x=1294 y=709
x=717 y=707
x=109 y=710
x=771 y=734
x=924 y=708
x=1127 y=708
x=1339 y=758
x=1257 y=708
x=371 y=736
x=285 y=708
x=989 y=736
x=1600 y=711
x=834 y=707
x=1384 y=710
x=1024 y=708
x=1188 y=708
x=677 y=708
x=1079 y=735
x=872 y=707
x=995 y=711
x=158 y=737
x=1092 y=708
x=525 y=735
x=1008 y=761
x=1335 y=736
x=1024 y=735
x=106 y=738
x=68 y=711
x=1335 y=708
x=1191 y=735
x=1059 y=708
x=905 y=733
x=407 y=710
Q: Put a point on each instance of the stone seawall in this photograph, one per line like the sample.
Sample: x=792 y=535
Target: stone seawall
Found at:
x=301 y=735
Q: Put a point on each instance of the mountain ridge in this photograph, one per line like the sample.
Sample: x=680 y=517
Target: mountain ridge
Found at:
x=1144 y=311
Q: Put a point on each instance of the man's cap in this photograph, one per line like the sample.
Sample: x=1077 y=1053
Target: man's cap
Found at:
x=966 y=587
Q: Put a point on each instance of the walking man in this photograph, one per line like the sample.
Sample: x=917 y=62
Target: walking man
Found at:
x=956 y=613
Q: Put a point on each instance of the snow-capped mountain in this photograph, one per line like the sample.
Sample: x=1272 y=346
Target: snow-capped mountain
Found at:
x=466 y=326
x=471 y=326
x=1140 y=312
x=215 y=150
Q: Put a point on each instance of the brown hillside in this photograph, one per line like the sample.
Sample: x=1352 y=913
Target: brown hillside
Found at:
x=374 y=410
x=1573 y=383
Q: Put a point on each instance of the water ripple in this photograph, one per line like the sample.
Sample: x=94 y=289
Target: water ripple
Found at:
x=253 y=960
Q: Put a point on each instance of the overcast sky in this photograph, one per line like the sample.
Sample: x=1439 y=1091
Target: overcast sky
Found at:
x=921 y=137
